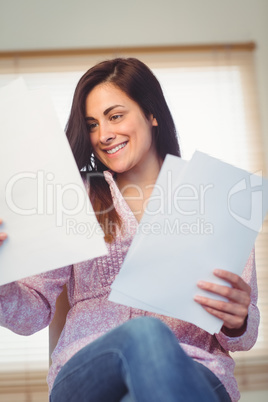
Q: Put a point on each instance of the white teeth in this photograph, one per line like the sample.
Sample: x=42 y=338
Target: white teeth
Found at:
x=112 y=151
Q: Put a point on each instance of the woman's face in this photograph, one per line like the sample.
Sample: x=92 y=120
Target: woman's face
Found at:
x=120 y=134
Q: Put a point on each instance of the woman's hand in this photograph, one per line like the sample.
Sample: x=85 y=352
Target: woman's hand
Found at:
x=3 y=235
x=234 y=311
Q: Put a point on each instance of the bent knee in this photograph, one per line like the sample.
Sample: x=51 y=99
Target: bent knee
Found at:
x=147 y=329
x=150 y=337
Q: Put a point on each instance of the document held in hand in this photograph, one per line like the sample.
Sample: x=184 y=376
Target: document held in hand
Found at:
x=43 y=202
x=203 y=214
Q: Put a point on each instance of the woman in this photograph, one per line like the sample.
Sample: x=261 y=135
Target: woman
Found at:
x=120 y=130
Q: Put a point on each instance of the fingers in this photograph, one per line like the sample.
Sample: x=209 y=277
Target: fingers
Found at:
x=222 y=306
x=3 y=235
x=233 y=310
x=232 y=314
x=235 y=280
x=233 y=294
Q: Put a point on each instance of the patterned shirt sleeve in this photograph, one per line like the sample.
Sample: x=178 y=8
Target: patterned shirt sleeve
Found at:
x=28 y=305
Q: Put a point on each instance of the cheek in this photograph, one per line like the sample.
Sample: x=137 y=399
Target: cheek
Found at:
x=140 y=130
x=147 y=137
x=93 y=140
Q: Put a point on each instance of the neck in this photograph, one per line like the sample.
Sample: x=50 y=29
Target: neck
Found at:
x=137 y=185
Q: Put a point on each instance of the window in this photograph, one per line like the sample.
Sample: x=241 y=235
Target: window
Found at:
x=212 y=97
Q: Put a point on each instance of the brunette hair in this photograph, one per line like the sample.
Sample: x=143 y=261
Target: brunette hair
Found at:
x=138 y=82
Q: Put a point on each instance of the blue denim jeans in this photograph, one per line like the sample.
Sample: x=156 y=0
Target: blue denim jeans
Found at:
x=141 y=360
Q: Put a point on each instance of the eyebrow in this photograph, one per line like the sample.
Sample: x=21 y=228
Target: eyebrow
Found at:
x=106 y=111
x=111 y=108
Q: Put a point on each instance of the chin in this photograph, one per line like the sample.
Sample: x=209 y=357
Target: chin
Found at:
x=119 y=169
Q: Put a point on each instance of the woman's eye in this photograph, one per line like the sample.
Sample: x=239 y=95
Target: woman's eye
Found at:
x=91 y=126
x=116 y=117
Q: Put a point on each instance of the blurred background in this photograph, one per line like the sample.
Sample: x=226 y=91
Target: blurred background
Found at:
x=211 y=58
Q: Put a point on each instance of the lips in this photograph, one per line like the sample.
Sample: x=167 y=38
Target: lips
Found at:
x=116 y=148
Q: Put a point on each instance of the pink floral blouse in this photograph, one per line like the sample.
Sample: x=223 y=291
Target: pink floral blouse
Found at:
x=28 y=306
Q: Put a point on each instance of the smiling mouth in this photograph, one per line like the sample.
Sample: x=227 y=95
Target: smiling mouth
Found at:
x=115 y=149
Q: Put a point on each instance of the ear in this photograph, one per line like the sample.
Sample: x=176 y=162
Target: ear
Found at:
x=154 y=121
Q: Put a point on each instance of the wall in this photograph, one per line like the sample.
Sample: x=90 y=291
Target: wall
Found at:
x=54 y=24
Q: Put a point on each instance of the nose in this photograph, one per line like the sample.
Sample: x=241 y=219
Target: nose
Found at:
x=106 y=135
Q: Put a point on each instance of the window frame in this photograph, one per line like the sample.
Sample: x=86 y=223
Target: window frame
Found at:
x=251 y=371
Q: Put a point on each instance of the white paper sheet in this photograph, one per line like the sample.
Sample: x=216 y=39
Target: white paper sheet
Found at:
x=43 y=202
x=209 y=218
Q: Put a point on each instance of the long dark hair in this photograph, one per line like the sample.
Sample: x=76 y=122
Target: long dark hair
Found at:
x=138 y=82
